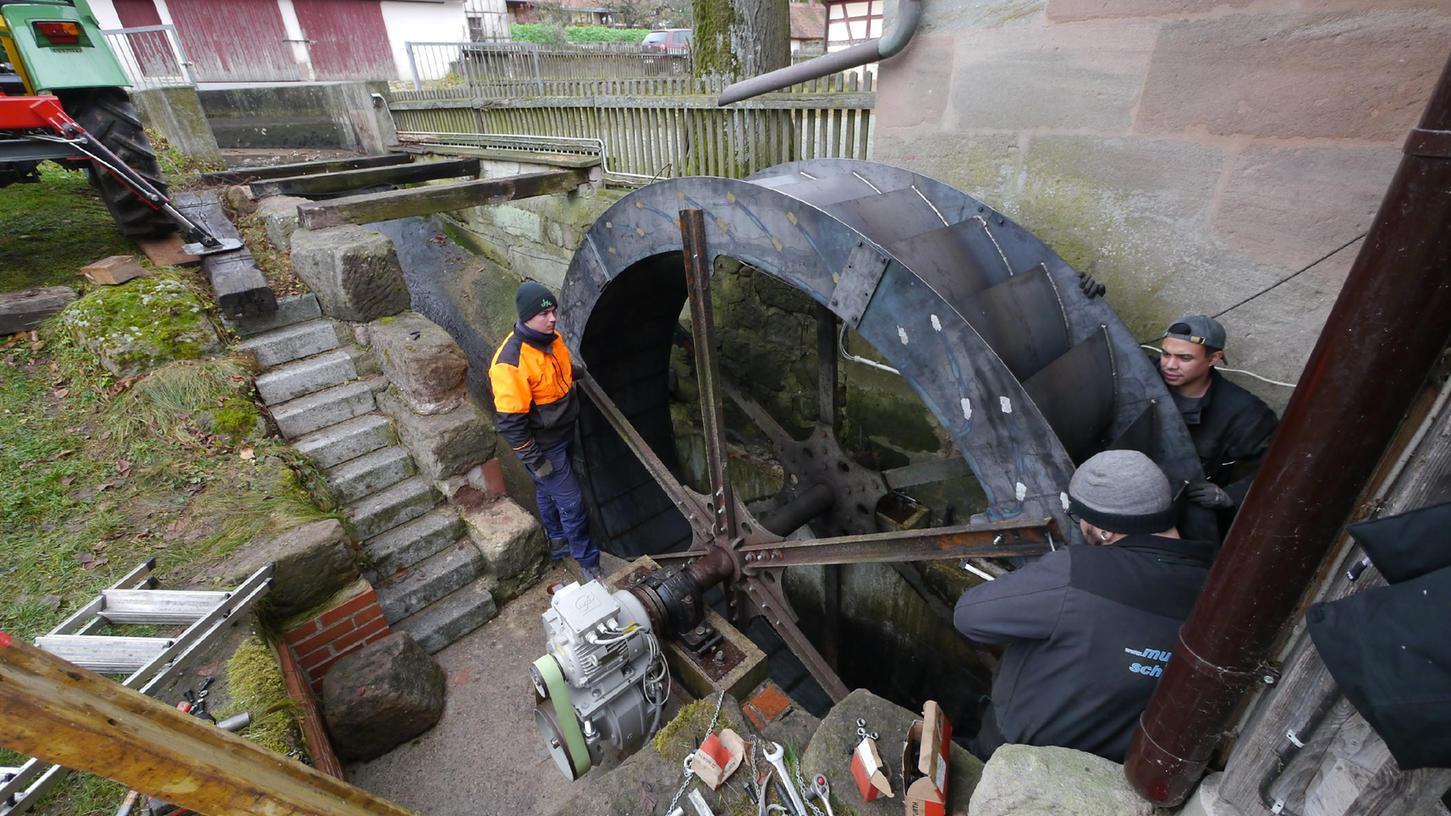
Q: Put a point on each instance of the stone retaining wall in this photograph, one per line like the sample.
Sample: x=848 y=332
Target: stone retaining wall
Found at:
x=351 y=620
x=1189 y=153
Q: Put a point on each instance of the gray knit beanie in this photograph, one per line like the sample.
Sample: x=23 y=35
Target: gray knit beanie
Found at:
x=1121 y=491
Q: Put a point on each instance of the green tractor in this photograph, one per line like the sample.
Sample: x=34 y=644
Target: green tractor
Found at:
x=55 y=47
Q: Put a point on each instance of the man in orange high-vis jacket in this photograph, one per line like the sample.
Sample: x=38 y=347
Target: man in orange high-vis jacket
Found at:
x=532 y=375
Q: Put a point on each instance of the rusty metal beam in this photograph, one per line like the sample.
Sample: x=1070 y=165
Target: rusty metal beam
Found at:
x=1006 y=539
x=764 y=590
x=707 y=373
x=1386 y=332
x=64 y=714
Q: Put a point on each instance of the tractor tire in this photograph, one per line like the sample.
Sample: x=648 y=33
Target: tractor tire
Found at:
x=109 y=115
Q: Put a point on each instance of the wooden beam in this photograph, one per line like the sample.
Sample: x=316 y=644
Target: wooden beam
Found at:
x=345 y=180
x=240 y=288
x=61 y=713
x=366 y=209
x=243 y=175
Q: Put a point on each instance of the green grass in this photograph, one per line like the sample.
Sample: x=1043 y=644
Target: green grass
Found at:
x=52 y=229
x=85 y=502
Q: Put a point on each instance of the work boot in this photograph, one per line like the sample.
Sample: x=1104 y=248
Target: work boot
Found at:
x=558 y=550
x=592 y=573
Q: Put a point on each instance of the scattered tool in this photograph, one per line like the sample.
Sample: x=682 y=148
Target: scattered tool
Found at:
x=775 y=755
x=823 y=792
x=698 y=802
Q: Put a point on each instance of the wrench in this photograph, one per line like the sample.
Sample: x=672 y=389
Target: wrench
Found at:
x=823 y=792
x=775 y=755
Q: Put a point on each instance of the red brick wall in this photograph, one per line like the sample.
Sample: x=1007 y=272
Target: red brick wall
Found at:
x=319 y=642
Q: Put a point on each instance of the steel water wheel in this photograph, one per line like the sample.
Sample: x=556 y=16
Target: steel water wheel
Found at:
x=985 y=322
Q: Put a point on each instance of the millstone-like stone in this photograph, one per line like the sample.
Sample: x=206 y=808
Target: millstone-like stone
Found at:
x=422 y=360
x=831 y=747
x=313 y=562
x=443 y=445
x=1023 y=780
x=278 y=215
x=512 y=542
x=353 y=270
x=381 y=696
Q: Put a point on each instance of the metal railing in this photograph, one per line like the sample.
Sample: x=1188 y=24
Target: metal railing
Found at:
x=521 y=69
x=152 y=56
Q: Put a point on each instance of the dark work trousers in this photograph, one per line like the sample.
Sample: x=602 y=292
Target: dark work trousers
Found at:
x=562 y=508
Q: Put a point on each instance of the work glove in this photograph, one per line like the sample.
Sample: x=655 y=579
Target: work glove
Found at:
x=577 y=369
x=1209 y=495
x=541 y=469
x=1090 y=287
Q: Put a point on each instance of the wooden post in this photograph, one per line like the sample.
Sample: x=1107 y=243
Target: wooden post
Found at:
x=61 y=713
x=370 y=207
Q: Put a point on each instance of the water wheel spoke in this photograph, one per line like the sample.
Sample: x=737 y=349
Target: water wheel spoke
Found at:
x=707 y=371
x=994 y=540
x=768 y=598
x=920 y=473
x=687 y=501
x=828 y=406
x=758 y=415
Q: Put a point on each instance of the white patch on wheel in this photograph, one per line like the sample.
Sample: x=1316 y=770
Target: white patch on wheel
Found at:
x=1005 y=404
x=1064 y=498
x=936 y=324
x=966 y=408
x=902 y=333
x=1021 y=491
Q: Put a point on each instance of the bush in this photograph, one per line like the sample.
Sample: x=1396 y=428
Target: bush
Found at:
x=550 y=34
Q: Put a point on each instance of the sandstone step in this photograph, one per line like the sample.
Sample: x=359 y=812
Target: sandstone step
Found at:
x=391 y=507
x=430 y=579
x=407 y=544
x=451 y=617
x=326 y=407
x=292 y=342
x=306 y=376
x=338 y=443
x=370 y=473
x=290 y=311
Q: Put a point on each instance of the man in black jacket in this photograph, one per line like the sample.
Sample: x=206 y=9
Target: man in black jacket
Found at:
x=1231 y=428
x=1088 y=629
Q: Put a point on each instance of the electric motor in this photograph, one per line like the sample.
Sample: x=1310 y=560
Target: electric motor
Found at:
x=603 y=681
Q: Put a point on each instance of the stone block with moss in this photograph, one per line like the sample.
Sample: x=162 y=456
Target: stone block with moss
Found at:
x=139 y=325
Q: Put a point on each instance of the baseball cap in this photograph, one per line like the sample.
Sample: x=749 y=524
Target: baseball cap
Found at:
x=1198 y=329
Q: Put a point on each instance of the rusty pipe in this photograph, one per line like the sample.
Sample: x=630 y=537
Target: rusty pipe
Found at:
x=1384 y=335
x=909 y=14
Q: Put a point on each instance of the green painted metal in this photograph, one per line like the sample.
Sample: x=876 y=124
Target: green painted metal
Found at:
x=54 y=68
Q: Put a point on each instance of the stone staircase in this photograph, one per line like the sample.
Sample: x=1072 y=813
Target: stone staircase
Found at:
x=429 y=576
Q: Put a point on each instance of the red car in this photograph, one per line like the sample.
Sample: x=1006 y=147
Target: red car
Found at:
x=668 y=41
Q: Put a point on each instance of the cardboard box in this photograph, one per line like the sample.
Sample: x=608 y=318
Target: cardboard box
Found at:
x=869 y=771
x=926 y=757
x=718 y=757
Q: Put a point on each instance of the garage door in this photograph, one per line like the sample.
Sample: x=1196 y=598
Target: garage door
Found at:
x=346 y=38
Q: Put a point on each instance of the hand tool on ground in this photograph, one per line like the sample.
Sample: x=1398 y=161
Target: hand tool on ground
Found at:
x=775 y=755
x=698 y=802
x=823 y=792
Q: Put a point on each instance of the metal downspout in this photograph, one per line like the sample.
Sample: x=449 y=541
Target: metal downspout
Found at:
x=1386 y=331
x=909 y=14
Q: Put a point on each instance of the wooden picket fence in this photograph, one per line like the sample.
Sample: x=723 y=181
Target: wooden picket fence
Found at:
x=662 y=127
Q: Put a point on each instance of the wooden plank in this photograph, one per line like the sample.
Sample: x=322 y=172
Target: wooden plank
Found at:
x=365 y=209
x=158 y=605
x=104 y=653
x=238 y=284
x=28 y=308
x=308 y=186
x=81 y=720
x=243 y=175
x=167 y=251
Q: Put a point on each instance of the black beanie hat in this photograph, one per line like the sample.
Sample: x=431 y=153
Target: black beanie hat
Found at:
x=531 y=299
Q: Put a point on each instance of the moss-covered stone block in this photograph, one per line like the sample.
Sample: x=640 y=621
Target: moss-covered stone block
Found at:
x=141 y=324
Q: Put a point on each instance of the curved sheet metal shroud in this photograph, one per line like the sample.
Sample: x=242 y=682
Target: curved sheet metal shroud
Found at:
x=982 y=319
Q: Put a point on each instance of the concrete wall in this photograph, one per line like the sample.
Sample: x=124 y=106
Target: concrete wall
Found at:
x=177 y=114
x=1190 y=153
x=324 y=114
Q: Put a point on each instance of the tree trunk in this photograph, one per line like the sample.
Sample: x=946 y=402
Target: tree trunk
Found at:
x=741 y=38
